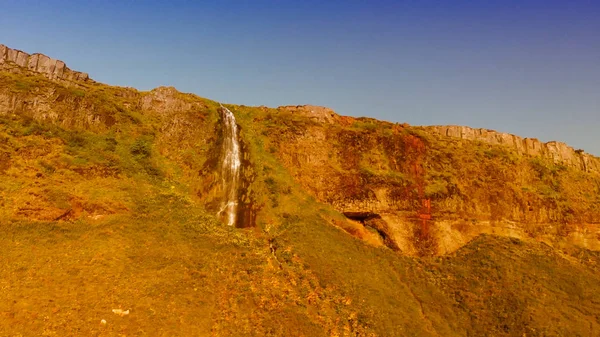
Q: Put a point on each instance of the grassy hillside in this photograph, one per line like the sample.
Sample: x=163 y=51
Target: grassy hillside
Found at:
x=107 y=202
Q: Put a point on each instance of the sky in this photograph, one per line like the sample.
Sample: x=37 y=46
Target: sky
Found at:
x=530 y=68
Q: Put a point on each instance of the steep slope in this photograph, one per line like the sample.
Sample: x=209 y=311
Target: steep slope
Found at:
x=109 y=199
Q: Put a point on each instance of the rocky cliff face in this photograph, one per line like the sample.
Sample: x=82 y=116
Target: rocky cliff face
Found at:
x=558 y=152
x=39 y=63
x=477 y=181
x=315 y=113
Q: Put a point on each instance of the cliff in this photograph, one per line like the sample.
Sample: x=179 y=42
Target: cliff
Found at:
x=380 y=175
x=51 y=68
x=558 y=152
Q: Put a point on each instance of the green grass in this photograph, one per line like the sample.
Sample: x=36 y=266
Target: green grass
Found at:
x=179 y=271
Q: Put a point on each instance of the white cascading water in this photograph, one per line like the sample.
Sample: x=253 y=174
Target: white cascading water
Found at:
x=230 y=168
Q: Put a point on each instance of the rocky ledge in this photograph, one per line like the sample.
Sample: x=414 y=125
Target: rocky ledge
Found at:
x=559 y=152
x=317 y=113
x=39 y=63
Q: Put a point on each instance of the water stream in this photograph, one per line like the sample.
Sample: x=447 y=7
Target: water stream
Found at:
x=230 y=166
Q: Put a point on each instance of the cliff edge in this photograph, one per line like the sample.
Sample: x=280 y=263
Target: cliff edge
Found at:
x=51 y=68
x=558 y=152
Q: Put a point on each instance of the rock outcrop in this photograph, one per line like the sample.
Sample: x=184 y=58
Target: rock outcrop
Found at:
x=51 y=68
x=316 y=113
x=559 y=152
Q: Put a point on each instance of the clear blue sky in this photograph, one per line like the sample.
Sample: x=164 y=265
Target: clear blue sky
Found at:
x=526 y=67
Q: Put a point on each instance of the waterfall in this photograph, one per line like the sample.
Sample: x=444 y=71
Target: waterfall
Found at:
x=230 y=167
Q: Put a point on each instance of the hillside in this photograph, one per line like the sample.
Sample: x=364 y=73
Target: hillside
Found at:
x=347 y=226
